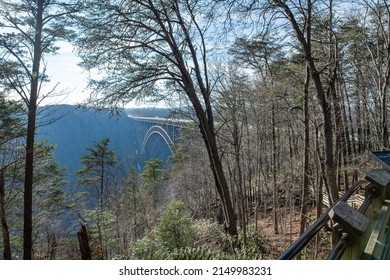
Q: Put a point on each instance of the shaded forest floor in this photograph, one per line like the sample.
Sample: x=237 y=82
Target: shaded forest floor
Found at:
x=288 y=231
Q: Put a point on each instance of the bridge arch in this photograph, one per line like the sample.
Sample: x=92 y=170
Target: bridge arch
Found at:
x=157 y=130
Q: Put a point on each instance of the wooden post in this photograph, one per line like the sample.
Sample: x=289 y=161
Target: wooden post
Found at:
x=349 y=219
x=381 y=179
x=85 y=251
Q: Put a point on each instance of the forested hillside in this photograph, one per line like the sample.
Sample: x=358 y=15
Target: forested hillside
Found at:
x=73 y=129
x=285 y=98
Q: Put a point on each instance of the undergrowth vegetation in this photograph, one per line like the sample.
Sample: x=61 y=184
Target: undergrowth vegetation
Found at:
x=178 y=237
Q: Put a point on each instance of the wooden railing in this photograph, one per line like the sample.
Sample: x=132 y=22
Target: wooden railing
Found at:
x=311 y=232
x=365 y=232
x=374 y=242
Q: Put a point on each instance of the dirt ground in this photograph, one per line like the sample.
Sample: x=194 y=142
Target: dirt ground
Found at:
x=288 y=232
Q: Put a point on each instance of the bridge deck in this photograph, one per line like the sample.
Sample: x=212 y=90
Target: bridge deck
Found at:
x=170 y=121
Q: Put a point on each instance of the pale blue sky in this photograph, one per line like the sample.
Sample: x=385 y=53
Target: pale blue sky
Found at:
x=63 y=69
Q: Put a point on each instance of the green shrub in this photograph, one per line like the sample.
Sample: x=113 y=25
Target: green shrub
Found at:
x=252 y=249
x=175 y=229
x=145 y=248
x=177 y=237
x=197 y=253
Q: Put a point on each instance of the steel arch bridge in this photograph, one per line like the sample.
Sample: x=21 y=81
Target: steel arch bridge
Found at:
x=157 y=131
x=153 y=129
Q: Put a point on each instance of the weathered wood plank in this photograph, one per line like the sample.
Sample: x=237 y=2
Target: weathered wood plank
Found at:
x=376 y=245
x=379 y=177
x=351 y=220
x=386 y=255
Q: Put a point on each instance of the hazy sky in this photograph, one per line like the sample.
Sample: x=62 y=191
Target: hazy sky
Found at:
x=63 y=69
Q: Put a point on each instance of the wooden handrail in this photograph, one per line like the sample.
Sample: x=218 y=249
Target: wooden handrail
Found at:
x=308 y=235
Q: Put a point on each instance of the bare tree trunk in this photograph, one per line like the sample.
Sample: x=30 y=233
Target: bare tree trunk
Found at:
x=305 y=190
x=237 y=144
x=274 y=170
x=30 y=141
x=3 y=218
x=352 y=149
x=28 y=184
x=221 y=184
x=204 y=112
x=383 y=85
x=385 y=133
x=346 y=145
x=51 y=246
x=322 y=100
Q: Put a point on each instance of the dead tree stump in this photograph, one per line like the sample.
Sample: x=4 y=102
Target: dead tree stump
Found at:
x=85 y=251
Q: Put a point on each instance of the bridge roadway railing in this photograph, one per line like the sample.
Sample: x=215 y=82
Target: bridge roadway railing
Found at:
x=372 y=242
x=163 y=121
